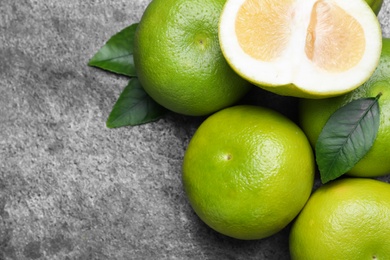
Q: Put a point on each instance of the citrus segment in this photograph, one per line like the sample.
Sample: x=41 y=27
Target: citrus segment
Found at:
x=335 y=40
x=303 y=48
x=254 y=28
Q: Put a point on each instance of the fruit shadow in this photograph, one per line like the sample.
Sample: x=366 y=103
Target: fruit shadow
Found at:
x=213 y=245
x=288 y=106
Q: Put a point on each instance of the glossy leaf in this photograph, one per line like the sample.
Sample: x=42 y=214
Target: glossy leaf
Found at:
x=346 y=137
x=117 y=54
x=134 y=107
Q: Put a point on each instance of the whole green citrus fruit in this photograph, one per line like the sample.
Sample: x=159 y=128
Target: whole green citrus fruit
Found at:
x=315 y=113
x=248 y=171
x=344 y=219
x=178 y=59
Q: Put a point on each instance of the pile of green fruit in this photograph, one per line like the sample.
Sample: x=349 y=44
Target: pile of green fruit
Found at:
x=249 y=170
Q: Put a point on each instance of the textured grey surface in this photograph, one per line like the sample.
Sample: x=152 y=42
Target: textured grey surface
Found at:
x=69 y=187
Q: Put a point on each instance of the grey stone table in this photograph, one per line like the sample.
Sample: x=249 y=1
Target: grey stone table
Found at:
x=69 y=187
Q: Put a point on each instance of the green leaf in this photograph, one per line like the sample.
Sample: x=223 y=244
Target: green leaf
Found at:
x=346 y=137
x=117 y=54
x=134 y=107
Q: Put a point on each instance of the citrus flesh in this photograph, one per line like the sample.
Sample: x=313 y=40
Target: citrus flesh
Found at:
x=303 y=48
x=313 y=115
x=344 y=219
x=178 y=59
x=248 y=171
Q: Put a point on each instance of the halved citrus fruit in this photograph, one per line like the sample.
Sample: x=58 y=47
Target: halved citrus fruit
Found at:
x=303 y=48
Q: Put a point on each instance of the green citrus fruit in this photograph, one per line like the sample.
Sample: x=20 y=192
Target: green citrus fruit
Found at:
x=178 y=59
x=248 y=171
x=315 y=113
x=345 y=219
x=302 y=48
x=375 y=5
